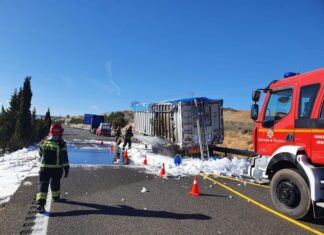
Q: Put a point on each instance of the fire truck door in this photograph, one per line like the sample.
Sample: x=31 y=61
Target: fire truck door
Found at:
x=304 y=124
x=278 y=123
x=317 y=138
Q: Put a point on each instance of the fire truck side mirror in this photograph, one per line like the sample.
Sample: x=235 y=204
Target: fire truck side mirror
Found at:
x=254 y=111
x=256 y=96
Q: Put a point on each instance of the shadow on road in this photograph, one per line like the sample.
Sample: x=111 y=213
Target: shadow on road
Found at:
x=309 y=218
x=122 y=210
x=211 y=195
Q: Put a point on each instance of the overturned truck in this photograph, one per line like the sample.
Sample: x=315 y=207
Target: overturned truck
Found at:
x=188 y=126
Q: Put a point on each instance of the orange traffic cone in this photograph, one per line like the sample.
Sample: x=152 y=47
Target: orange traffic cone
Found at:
x=145 y=161
x=111 y=148
x=195 y=188
x=162 y=171
x=125 y=157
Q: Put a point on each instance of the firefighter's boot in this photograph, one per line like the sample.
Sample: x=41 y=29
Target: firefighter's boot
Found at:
x=40 y=208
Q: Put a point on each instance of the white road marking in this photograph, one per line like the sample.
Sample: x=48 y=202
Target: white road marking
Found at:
x=41 y=221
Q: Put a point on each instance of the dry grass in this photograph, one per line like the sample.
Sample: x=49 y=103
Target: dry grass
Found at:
x=238 y=129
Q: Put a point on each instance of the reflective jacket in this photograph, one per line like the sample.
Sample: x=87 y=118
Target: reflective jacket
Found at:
x=128 y=134
x=53 y=153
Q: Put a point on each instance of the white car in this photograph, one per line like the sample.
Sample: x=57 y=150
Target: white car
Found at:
x=103 y=129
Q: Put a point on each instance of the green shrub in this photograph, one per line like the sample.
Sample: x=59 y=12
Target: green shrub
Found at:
x=76 y=120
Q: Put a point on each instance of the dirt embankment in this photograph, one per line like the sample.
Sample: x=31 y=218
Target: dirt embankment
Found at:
x=238 y=129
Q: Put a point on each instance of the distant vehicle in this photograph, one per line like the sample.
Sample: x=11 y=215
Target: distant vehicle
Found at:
x=103 y=129
x=93 y=120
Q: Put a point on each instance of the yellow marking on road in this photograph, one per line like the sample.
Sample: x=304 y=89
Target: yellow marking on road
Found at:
x=243 y=181
x=295 y=222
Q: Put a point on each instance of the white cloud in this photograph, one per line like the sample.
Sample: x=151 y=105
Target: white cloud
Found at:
x=113 y=86
x=69 y=82
x=94 y=107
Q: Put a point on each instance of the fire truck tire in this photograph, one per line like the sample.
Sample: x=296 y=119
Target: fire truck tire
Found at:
x=290 y=193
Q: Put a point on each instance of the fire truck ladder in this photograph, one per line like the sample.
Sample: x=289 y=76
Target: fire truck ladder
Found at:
x=201 y=128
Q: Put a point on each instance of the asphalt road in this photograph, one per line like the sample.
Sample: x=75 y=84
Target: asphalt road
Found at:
x=108 y=200
x=73 y=133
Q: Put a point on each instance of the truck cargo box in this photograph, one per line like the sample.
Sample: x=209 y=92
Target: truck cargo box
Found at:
x=93 y=120
x=176 y=121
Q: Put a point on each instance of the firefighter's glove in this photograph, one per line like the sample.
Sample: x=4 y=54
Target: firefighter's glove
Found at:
x=66 y=171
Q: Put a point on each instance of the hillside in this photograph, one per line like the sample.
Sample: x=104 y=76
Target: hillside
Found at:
x=238 y=129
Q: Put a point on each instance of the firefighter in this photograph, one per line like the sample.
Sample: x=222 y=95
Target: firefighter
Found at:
x=117 y=151
x=54 y=160
x=118 y=134
x=127 y=137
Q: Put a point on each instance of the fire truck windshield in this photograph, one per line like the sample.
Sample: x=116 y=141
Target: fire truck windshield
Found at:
x=278 y=105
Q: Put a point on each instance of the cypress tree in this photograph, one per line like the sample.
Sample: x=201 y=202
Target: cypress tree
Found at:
x=34 y=126
x=48 y=120
x=23 y=124
x=44 y=126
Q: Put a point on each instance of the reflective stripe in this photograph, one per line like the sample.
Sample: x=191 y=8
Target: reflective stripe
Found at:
x=40 y=196
x=58 y=155
x=64 y=149
x=53 y=146
x=66 y=164
x=50 y=143
x=297 y=130
x=56 y=193
x=51 y=166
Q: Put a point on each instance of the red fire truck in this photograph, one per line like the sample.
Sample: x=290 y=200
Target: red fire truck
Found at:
x=289 y=140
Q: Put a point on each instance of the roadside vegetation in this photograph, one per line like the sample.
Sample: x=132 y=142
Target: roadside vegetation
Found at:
x=19 y=126
x=114 y=119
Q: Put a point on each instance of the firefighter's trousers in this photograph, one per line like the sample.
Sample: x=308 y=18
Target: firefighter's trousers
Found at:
x=48 y=176
x=127 y=141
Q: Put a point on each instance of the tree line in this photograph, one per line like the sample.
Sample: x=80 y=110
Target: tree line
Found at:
x=114 y=119
x=19 y=127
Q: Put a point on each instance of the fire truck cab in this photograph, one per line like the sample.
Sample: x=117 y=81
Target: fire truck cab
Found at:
x=289 y=140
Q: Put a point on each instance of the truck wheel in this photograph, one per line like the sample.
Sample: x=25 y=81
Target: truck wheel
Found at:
x=290 y=193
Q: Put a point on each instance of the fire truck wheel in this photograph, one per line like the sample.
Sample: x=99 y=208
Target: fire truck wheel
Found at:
x=290 y=193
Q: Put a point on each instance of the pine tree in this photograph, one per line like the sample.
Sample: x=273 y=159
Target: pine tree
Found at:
x=23 y=123
x=3 y=128
x=3 y=111
x=9 y=122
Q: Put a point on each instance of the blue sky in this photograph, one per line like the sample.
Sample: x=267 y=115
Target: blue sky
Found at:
x=99 y=56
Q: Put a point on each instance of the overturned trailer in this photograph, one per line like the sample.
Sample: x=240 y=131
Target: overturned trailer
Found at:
x=187 y=125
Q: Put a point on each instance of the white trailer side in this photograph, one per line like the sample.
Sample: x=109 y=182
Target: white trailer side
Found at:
x=176 y=121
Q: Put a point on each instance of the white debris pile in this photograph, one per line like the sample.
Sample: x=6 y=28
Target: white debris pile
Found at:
x=189 y=166
x=14 y=168
x=144 y=190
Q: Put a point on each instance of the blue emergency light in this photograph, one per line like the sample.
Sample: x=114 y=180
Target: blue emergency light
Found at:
x=290 y=74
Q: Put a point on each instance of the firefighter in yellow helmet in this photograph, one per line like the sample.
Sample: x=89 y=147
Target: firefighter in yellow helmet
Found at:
x=54 y=160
